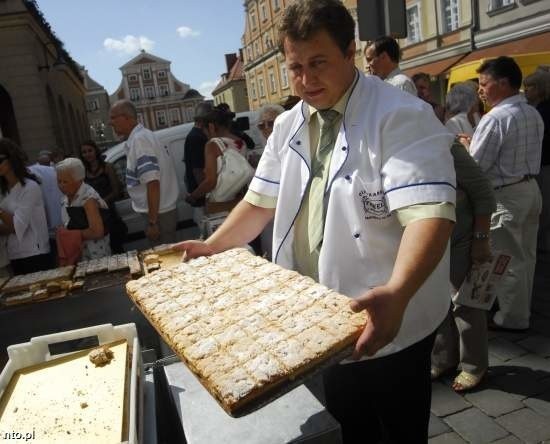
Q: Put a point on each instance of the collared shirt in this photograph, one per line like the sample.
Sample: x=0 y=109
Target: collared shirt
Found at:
x=401 y=81
x=148 y=160
x=26 y=204
x=507 y=141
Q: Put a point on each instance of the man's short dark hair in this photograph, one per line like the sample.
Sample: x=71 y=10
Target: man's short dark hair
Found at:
x=303 y=19
x=421 y=76
x=503 y=68
x=388 y=45
x=202 y=110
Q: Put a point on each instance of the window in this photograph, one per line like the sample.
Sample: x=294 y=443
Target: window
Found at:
x=134 y=93
x=163 y=90
x=174 y=116
x=261 y=87
x=146 y=73
x=284 y=76
x=93 y=105
x=140 y=118
x=263 y=11
x=253 y=20
x=253 y=89
x=276 y=5
x=413 y=24
x=256 y=48
x=149 y=92
x=250 y=53
x=497 y=4
x=450 y=15
x=161 y=74
x=272 y=81
x=132 y=78
x=161 y=118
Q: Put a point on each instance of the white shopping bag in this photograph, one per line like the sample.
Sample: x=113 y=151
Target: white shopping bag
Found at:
x=479 y=288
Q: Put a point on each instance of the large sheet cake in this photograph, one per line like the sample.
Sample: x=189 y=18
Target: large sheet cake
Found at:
x=244 y=325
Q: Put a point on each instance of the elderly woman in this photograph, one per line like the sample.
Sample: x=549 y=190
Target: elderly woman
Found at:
x=78 y=194
x=537 y=93
x=22 y=214
x=461 y=103
x=266 y=118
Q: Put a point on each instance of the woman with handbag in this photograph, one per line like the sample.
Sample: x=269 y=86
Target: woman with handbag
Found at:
x=226 y=170
x=83 y=210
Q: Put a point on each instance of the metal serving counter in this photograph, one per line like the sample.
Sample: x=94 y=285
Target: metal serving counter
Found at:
x=297 y=416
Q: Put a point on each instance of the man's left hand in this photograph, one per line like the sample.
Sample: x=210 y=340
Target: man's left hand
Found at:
x=384 y=308
x=152 y=232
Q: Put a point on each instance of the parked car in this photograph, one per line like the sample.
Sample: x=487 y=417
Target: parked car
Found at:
x=173 y=139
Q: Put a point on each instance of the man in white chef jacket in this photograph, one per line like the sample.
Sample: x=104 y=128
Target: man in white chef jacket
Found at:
x=371 y=218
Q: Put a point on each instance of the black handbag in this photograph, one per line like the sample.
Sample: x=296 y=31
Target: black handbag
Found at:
x=79 y=221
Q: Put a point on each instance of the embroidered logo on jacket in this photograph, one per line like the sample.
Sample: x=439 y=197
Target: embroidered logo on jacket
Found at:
x=374 y=205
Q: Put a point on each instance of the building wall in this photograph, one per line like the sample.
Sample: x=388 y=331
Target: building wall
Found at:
x=510 y=22
x=161 y=100
x=48 y=103
x=234 y=94
x=97 y=106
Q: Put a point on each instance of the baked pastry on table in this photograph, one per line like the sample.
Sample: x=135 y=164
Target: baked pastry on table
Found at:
x=244 y=325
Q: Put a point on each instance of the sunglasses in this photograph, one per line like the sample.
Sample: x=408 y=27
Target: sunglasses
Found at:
x=265 y=124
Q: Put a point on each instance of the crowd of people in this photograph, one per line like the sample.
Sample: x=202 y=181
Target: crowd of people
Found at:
x=363 y=185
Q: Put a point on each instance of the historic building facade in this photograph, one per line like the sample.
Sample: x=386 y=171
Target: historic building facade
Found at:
x=443 y=34
x=97 y=109
x=231 y=88
x=161 y=99
x=41 y=89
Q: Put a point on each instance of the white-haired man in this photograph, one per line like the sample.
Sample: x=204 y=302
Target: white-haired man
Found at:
x=150 y=176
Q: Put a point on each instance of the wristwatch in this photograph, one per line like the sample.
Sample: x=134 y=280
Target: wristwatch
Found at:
x=479 y=235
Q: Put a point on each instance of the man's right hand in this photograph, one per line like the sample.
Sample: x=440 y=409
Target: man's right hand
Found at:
x=193 y=248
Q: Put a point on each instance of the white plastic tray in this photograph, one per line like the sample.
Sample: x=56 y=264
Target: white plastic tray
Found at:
x=37 y=351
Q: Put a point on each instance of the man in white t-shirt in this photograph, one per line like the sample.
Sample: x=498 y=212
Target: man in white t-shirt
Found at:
x=382 y=58
x=150 y=175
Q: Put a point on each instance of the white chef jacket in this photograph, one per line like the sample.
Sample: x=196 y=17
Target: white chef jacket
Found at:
x=29 y=220
x=391 y=152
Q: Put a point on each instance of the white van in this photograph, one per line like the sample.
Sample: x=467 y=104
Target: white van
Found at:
x=173 y=139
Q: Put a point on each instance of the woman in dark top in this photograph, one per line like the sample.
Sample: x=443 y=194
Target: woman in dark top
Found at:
x=101 y=176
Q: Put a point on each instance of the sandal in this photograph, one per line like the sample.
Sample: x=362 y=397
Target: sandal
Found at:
x=466 y=381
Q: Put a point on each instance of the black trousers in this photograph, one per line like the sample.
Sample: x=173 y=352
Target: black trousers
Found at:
x=384 y=400
x=31 y=264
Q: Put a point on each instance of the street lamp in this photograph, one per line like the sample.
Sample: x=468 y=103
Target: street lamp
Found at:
x=98 y=129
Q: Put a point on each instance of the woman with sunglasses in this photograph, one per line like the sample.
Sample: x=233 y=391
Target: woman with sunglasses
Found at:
x=22 y=213
x=266 y=118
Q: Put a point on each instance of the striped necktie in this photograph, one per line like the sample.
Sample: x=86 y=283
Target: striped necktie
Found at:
x=327 y=139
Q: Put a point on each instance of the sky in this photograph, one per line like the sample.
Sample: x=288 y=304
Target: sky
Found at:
x=194 y=35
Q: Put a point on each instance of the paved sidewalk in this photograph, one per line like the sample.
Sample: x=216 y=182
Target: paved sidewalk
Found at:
x=512 y=405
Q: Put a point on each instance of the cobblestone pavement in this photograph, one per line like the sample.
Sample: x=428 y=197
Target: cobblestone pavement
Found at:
x=512 y=405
